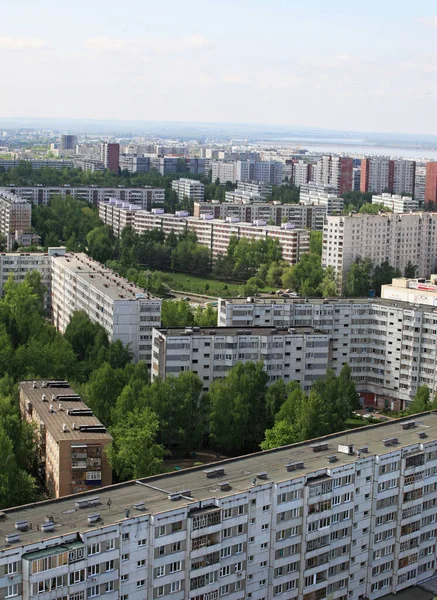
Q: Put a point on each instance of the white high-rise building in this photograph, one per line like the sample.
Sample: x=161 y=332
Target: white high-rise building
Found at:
x=404 y=172
x=348 y=516
x=189 y=188
x=398 y=204
x=396 y=238
x=293 y=354
x=15 y=217
x=223 y=171
x=321 y=194
x=300 y=174
x=419 y=183
x=127 y=313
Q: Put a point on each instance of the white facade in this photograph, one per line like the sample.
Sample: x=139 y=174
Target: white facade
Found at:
x=37 y=164
x=323 y=195
x=147 y=196
x=117 y=214
x=255 y=187
x=15 y=216
x=389 y=344
x=375 y=174
x=240 y=196
x=223 y=171
x=403 y=176
x=293 y=354
x=300 y=173
x=126 y=312
x=419 y=183
x=336 y=518
x=19 y=264
x=398 y=204
x=189 y=188
x=396 y=238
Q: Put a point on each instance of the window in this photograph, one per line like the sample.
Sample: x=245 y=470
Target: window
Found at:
x=12 y=590
x=241 y=510
x=141 y=583
x=264 y=545
x=93 y=570
x=110 y=544
x=141 y=563
x=125 y=537
x=224 y=590
x=93 y=549
x=238 y=567
x=12 y=568
x=124 y=597
x=142 y=542
x=160 y=591
x=224 y=571
x=225 y=552
x=125 y=578
x=110 y=565
x=176 y=547
x=176 y=566
x=266 y=507
x=77 y=576
x=265 y=526
x=109 y=587
x=175 y=586
x=227 y=513
x=161 y=530
x=239 y=548
x=125 y=557
x=227 y=532
x=160 y=571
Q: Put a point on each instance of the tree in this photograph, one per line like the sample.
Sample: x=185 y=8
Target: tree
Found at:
x=205 y=317
x=100 y=242
x=383 y=274
x=33 y=278
x=410 y=270
x=81 y=332
x=238 y=409
x=176 y=313
x=421 y=401
x=359 y=278
x=103 y=389
x=316 y=238
x=373 y=209
x=134 y=452
x=16 y=486
x=328 y=285
x=306 y=276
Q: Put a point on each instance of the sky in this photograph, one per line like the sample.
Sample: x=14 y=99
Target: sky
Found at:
x=347 y=65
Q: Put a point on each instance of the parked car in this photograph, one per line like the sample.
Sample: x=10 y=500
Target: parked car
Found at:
x=187 y=299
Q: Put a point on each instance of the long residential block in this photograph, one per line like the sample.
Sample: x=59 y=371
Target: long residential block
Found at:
x=299 y=354
x=71 y=441
x=349 y=517
x=126 y=312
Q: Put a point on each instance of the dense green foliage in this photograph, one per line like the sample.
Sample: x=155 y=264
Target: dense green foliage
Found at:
x=355 y=200
x=364 y=276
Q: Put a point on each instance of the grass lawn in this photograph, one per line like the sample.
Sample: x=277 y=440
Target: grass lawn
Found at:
x=353 y=423
x=193 y=284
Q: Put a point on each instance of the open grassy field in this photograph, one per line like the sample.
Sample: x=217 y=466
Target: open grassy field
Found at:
x=204 y=285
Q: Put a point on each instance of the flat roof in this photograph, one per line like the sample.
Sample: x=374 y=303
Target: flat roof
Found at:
x=239 y=472
x=55 y=420
x=275 y=299
x=103 y=279
x=207 y=331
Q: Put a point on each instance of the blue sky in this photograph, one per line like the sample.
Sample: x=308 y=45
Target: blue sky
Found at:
x=369 y=66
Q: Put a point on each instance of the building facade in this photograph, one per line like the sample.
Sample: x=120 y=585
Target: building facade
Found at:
x=68 y=142
x=127 y=313
x=110 y=156
x=397 y=238
x=189 y=188
x=15 y=217
x=70 y=439
x=431 y=182
x=223 y=171
x=293 y=354
x=419 y=184
x=37 y=163
x=323 y=195
x=336 y=171
x=381 y=174
x=342 y=517
x=398 y=204
x=147 y=197
x=19 y=264
x=134 y=163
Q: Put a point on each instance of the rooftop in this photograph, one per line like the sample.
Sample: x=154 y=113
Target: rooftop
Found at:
x=56 y=410
x=220 y=331
x=105 y=281
x=239 y=472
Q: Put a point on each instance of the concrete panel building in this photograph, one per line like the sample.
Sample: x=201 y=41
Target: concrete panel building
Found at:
x=431 y=182
x=19 y=264
x=71 y=440
x=189 y=188
x=110 y=156
x=323 y=195
x=346 y=517
x=293 y=354
x=398 y=204
x=15 y=217
x=126 y=312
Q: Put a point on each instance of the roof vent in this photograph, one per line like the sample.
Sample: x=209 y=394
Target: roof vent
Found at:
x=262 y=475
x=346 y=449
x=85 y=502
x=52 y=410
x=422 y=435
x=64 y=428
x=294 y=466
x=224 y=486
x=12 y=537
x=363 y=450
x=174 y=496
x=408 y=425
x=22 y=525
x=390 y=441
x=34 y=385
x=94 y=518
x=319 y=447
x=140 y=506
x=44 y=398
x=332 y=459
x=48 y=526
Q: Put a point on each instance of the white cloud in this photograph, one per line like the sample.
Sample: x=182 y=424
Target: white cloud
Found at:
x=158 y=46
x=18 y=43
x=432 y=21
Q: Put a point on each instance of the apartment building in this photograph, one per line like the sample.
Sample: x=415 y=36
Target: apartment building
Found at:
x=300 y=172
x=389 y=343
x=336 y=171
x=118 y=214
x=223 y=171
x=323 y=195
x=15 y=217
x=431 y=182
x=215 y=234
x=356 y=179
x=396 y=238
x=134 y=164
x=262 y=170
x=348 y=516
x=419 y=183
x=243 y=196
x=147 y=197
x=68 y=142
x=293 y=354
x=70 y=439
x=18 y=264
x=398 y=204
x=259 y=188
x=37 y=163
x=89 y=163
x=126 y=312
x=381 y=174
x=303 y=216
x=189 y=188
x=110 y=156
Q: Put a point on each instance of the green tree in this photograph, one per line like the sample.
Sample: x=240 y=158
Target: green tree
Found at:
x=176 y=313
x=359 y=278
x=410 y=270
x=238 y=409
x=100 y=241
x=103 y=389
x=421 y=401
x=383 y=274
x=316 y=238
x=134 y=452
x=328 y=285
x=306 y=276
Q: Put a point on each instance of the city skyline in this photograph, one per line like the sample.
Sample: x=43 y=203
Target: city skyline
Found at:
x=309 y=66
